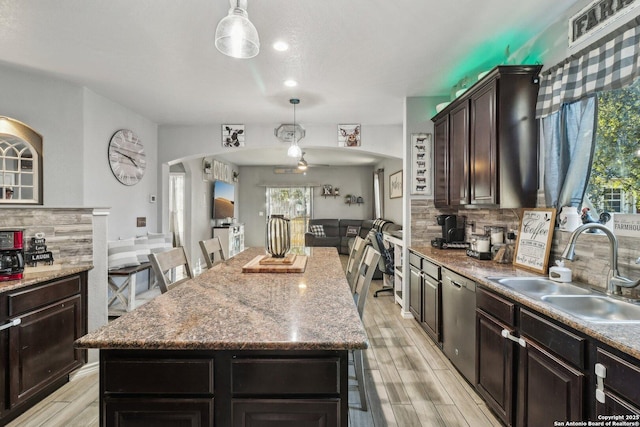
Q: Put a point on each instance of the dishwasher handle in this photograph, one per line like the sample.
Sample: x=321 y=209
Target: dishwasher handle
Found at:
x=456 y=284
x=14 y=322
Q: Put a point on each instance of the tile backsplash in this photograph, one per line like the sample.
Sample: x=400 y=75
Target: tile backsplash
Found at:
x=592 y=250
x=68 y=231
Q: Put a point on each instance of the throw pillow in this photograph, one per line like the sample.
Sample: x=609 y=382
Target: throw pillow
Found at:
x=317 y=230
x=159 y=242
x=353 y=230
x=121 y=253
x=142 y=248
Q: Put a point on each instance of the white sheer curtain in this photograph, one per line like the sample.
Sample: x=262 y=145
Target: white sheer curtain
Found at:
x=378 y=193
x=176 y=207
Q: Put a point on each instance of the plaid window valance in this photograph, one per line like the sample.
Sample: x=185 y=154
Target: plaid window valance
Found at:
x=611 y=63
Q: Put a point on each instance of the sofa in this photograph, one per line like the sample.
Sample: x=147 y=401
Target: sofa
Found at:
x=340 y=233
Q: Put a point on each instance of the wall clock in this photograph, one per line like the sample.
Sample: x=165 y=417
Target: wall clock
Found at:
x=126 y=157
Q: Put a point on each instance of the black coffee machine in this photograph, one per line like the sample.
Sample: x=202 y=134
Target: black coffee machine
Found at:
x=452 y=233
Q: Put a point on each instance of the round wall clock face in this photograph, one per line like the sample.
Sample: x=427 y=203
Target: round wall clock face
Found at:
x=126 y=157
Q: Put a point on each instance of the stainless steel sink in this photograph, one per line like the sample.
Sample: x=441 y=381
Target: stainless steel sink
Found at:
x=596 y=308
x=539 y=286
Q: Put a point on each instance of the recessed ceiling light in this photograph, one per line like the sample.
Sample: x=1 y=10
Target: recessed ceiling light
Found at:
x=280 y=46
x=290 y=83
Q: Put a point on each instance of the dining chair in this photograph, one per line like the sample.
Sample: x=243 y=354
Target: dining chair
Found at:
x=212 y=251
x=385 y=263
x=363 y=282
x=171 y=268
x=355 y=256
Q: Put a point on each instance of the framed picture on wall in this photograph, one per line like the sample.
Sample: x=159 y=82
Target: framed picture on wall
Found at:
x=233 y=136
x=349 y=135
x=395 y=185
x=421 y=164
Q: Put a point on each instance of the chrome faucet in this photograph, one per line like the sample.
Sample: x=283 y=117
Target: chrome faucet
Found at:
x=617 y=282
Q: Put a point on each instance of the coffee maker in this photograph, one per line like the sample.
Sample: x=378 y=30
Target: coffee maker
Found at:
x=11 y=254
x=452 y=233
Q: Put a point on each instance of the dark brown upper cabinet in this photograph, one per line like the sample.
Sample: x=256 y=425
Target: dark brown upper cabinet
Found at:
x=486 y=142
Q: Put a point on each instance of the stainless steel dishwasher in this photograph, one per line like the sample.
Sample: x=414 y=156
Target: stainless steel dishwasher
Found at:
x=459 y=322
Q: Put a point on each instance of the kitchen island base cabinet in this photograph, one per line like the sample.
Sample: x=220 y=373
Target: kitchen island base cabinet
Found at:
x=159 y=412
x=285 y=413
x=224 y=388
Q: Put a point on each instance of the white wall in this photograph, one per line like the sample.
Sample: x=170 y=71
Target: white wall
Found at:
x=198 y=200
x=186 y=142
x=102 y=118
x=189 y=144
x=53 y=108
x=392 y=207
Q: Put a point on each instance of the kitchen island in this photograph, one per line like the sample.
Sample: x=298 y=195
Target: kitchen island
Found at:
x=232 y=349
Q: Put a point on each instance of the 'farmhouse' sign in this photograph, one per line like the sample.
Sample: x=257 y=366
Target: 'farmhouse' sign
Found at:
x=597 y=15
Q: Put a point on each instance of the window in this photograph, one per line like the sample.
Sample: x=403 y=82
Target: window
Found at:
x=615 y=174
x=20 y=163
x=612 y=200
x=294 y=203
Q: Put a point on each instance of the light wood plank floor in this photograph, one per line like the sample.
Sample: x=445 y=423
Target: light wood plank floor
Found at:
x=409 y=382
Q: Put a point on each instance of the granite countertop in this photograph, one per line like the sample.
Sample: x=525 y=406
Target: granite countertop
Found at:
x=32 y=278
x=225 y=309
x=622 y=336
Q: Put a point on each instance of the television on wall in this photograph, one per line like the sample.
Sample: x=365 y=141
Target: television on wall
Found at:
x=223 y=200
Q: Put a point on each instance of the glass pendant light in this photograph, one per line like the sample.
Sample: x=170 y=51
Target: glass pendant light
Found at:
x=235 y=35
x=294 y=149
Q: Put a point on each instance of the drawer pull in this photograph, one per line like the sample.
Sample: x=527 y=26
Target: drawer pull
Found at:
x=601 y=374
x=14 y=322
x=507 y=334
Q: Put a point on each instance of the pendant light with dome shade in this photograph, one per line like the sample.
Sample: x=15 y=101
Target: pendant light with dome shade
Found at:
x=236 y=36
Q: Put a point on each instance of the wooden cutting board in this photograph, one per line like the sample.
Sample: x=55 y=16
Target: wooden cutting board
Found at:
x=269 y=260
x=254 y=266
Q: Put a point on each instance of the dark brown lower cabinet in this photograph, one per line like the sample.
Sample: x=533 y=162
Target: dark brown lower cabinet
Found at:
x=495 y=366
x=531 y=372
x=617 y=391
x=41 y=348
x=549 y=389
x=145 y=412
x=224 y=388
x=285 y=413
x=431 y=296
x=37 y=351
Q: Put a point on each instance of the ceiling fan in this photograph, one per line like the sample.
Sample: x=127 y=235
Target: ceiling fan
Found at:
x=301 y=166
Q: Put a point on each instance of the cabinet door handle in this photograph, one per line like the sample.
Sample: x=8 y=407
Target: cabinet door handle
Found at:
x=601 y=374
x=14 y=322
x=507 y=335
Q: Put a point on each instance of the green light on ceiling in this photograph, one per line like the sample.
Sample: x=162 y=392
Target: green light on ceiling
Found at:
x=493 y=52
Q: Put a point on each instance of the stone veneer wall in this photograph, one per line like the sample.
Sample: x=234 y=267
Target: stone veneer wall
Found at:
x=592 y=261
x=68 y=231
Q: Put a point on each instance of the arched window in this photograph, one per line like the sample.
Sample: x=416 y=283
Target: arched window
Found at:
x=20 y=163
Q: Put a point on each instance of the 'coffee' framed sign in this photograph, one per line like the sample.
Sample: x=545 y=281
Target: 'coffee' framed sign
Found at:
x=534 y=239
